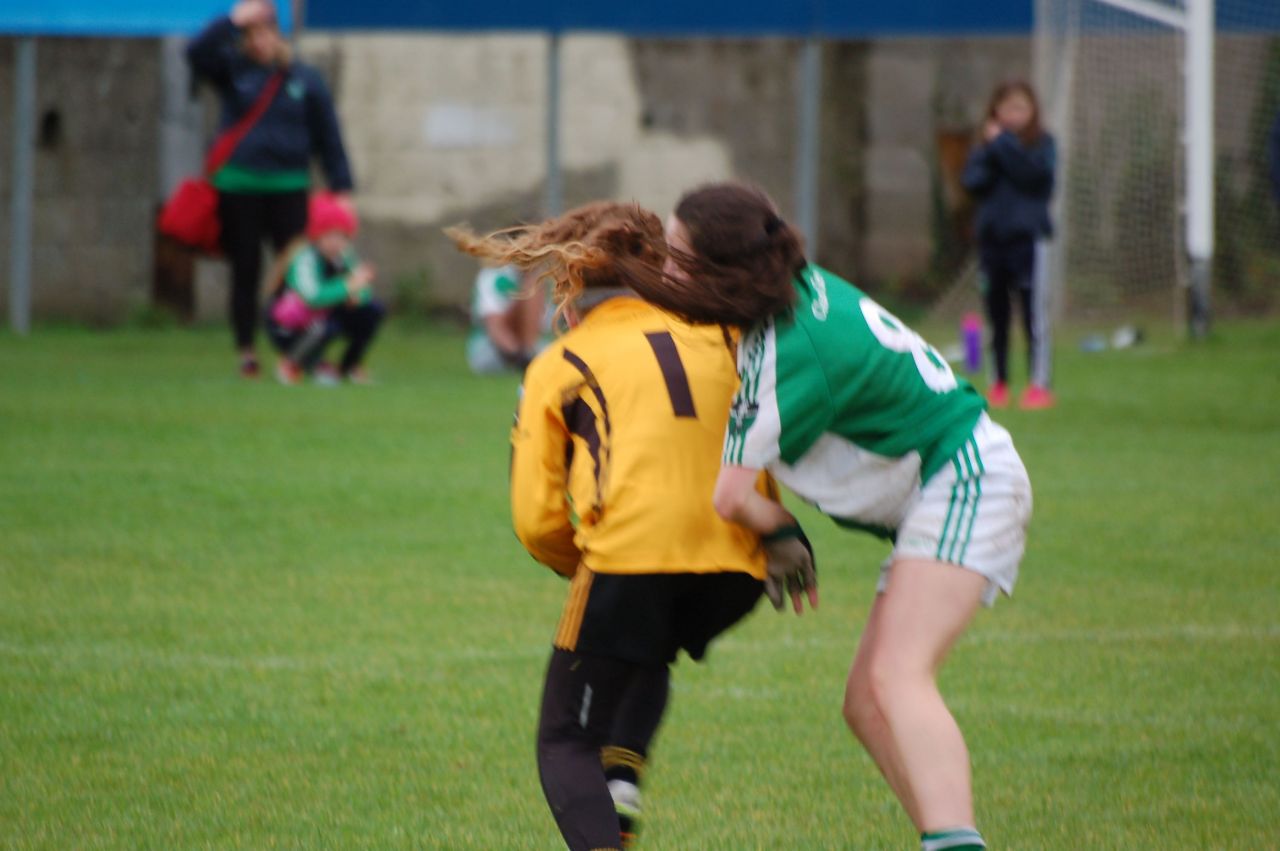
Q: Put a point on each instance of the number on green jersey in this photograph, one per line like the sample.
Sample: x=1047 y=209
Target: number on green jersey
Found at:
x=897 y=337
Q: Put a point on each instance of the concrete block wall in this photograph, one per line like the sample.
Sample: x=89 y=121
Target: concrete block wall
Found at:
x=446 y=129
x=463 y=137
x=915 y=93
x=95 y=177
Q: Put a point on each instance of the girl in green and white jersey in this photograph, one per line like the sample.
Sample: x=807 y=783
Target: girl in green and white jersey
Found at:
x=509 y=320
x=853 y=411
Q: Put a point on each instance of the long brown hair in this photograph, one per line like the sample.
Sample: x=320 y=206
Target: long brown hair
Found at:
x=604 y=244
x=1033 y=132
x=742 y=262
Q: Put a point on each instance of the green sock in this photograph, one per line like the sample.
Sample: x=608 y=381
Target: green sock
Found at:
x=956 y=839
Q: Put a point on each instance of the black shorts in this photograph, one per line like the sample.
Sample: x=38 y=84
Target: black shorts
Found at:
x=647 y=618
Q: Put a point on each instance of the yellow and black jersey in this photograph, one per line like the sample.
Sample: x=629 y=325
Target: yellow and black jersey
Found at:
x=616 y=448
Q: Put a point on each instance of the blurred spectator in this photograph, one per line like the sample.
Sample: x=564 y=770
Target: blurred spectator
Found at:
x=262 y=190
x=1010 y=173
x=320 y=292
x=508 y=320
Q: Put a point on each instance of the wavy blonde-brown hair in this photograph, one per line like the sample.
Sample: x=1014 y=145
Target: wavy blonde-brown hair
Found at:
x=604 y=244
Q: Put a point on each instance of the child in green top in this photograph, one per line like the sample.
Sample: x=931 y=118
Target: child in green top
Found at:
x=323 y=291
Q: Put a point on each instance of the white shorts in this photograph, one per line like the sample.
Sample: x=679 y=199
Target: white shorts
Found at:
x=973 y=512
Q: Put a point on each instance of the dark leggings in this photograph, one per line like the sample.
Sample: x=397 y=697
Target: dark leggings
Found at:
x=1009 y=267
x=589 y=702
x=249 y=219
x=306 y=346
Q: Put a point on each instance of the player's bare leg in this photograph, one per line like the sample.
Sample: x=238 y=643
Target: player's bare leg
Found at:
x=867 y=721
x=923 y=610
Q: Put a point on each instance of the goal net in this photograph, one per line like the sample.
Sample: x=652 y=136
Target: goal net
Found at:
x=1113 y=75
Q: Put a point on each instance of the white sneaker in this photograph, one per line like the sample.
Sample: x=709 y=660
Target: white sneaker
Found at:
x=626 y=795
x=626 y=801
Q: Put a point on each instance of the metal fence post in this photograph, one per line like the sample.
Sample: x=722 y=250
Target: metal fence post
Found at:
x=22 y=188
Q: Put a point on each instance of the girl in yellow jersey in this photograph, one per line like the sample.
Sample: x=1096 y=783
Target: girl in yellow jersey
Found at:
x=615 y=455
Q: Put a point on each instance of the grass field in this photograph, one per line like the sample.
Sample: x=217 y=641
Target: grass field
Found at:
x=236 y=615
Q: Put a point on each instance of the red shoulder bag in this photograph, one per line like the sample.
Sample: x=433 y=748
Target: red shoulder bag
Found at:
x=190 y=216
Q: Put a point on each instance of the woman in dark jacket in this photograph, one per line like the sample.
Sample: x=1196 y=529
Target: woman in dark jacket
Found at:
x=264 y=186
x=1010 y=173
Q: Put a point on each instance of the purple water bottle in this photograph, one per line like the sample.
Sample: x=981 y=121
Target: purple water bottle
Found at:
x=971 y=333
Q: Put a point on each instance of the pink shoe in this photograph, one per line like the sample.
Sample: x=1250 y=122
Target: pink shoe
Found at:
x=998 y=395
x=1036 y=398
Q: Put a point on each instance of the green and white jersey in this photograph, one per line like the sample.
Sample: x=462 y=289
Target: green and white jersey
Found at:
x=495 y=290
x=846 y=405
x=320 y=282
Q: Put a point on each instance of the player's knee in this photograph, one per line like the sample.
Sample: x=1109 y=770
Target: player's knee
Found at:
x=859 y=709
x=561 y=762
x=556 y=738
x=890 y=681
x=858 y=715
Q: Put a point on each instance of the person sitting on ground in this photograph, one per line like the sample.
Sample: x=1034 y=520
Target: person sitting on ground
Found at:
x=321 y=290
x=507 y=320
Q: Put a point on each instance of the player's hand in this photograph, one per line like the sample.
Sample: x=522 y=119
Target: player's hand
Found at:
x=991 y=129
x=790 y=569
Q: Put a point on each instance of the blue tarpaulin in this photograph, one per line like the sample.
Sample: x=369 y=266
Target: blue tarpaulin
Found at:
x=822 y=18
x=114 y=17
x=798 y=18
x=831 y=18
